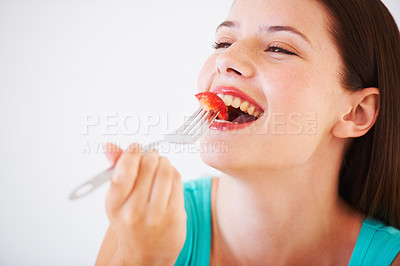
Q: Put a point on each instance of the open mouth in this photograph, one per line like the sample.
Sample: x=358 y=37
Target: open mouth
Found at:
x=240 y=111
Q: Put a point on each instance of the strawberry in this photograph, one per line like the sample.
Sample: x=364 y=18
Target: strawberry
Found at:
x=211 y=101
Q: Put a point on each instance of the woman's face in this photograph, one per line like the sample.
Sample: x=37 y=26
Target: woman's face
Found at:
x=280 y=54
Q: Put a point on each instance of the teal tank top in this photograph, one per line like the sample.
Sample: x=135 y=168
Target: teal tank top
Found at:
x=196 y=251
x=377 y=244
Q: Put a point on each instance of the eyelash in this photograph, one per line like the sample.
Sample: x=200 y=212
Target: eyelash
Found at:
x=271 y=48
x=219 y=45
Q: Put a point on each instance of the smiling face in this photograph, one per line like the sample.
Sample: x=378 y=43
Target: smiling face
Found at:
x=277 y=54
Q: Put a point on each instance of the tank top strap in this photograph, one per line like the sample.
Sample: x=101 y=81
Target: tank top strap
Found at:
x=196 y=250
x=377 y=244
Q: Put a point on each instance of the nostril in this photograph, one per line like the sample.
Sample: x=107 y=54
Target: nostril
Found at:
x=226 y=64
x=233 y=70
x=229 y=70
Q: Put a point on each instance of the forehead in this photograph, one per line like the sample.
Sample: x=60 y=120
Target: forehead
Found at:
x=306 y=15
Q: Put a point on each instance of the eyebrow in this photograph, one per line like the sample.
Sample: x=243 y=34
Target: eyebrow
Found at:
x=235 y=24
x=228 y=24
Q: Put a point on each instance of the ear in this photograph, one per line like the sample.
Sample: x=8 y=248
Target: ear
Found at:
x=364 y=110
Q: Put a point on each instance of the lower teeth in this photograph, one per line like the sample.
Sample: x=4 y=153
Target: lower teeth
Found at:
x=222 y=121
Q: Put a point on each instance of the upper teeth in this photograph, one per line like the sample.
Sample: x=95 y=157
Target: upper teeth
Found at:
x=236 y=102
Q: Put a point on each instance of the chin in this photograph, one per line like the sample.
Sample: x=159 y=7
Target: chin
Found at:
x=236 y=155
x=225 y=160
x=215 y=160
x=226 y=151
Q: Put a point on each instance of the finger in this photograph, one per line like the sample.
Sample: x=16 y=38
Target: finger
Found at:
x=176 y=200
x=124 y=177
x=113 y=152
x=162 y=185
x=147 y=169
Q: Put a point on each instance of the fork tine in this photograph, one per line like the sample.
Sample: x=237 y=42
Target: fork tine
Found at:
x=205 y=124
x=190 y=126
x=189 y=138
x=189 y=121
x=195 y=123
x=199 y=124
x=199 y=120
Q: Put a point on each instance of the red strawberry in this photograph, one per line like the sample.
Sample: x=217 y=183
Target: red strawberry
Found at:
x=211 y=101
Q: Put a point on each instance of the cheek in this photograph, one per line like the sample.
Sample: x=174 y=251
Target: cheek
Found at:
x=294 y=90
x=206 y=75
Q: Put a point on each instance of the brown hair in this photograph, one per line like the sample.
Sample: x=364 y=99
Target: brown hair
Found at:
x=368 y=41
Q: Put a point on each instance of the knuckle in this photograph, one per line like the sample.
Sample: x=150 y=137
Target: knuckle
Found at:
x=127 y=168
x=164 y=161
x=131 y=216
x=126 y=220
x=127 y=162
x=150 y=160
x=111 y=208
x=154 y=222
x=117 y=175
x=120 y=177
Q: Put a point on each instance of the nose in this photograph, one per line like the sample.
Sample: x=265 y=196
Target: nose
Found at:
x=235 y=61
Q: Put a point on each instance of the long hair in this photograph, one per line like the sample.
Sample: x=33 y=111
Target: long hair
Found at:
x=368 y=41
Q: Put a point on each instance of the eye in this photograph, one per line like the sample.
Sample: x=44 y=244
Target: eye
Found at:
x=276 y=49
x=219 y=45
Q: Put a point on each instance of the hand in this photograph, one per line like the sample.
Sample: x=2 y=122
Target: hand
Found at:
x=145 y=206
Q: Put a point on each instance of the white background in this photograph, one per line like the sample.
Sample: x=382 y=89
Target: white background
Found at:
x=63 y=62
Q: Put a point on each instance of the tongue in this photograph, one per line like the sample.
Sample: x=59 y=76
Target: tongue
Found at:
x=245 y=118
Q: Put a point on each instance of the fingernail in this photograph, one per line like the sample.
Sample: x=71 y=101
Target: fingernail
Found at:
x=110 y=147
x=134 y=147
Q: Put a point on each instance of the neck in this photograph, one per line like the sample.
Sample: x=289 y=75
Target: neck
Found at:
x=288 y=213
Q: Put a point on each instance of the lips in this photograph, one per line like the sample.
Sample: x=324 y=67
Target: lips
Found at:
x=235 y=92
x=242 y=109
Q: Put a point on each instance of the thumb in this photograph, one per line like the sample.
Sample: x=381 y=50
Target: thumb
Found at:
x=112 y=152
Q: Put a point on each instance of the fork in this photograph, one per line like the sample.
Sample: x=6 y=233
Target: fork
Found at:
x=191 y=130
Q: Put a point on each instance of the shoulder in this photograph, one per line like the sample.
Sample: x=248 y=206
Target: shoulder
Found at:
x=396 y=261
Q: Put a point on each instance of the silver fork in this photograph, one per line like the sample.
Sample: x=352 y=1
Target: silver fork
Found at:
x=190 y=131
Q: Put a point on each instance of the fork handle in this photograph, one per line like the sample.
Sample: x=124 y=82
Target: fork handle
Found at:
x=92 y=184
x=101 y=178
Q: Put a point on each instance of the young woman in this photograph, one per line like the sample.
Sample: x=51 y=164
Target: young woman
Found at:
x=313 y=178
